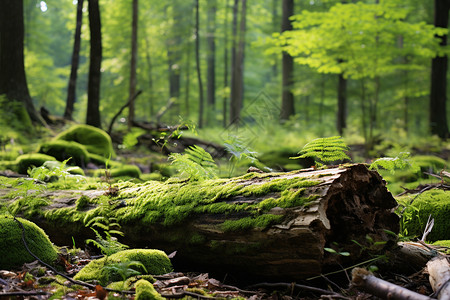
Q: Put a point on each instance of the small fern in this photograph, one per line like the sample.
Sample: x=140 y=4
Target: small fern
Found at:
x=401 y=161
x=195 y=162
x=325 y=150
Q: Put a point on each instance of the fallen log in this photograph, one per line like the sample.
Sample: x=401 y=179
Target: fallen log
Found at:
x=270 y=225
x=439 y=270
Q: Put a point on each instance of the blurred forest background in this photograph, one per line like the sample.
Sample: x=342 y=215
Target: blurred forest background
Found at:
x=371 y=71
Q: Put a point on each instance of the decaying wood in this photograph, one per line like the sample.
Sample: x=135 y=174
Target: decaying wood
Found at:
x=364 y=280
x=439 y=270
x=350 y=203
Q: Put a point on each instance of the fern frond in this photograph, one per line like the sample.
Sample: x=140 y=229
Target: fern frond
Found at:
x=195 y=163
x=401 y=161
x=325 y=150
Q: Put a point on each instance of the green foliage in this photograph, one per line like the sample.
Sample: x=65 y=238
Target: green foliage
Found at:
x=105 y=221
x=325 y=150
x=27 y=161
x=195 y=163
x=52 y=171
x=123 y=171
x=146 y=291
x=13 y=253
x=26 y=197
x=391 y=164
x=131 y=138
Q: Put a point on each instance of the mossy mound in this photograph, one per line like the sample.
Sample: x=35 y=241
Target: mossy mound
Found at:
x=435 y=203
x=155 y=262
x=429 y=163
x=53 y=165
x=13 y=253
x=127 y=171
x=94 y=139
x=63 y=150
x=26 y=161
x=280 y=159
x=146 y=291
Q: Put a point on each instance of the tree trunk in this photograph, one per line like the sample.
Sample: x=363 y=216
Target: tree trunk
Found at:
x=273 y=225
x=133 y=63
x=71 y=89
x=287 y=97
x=438 y=94
x=211 y=61
x=237 y=76
x=13 y=81
x=93 y=106
x=197 y=60
x=225 y=67
x=342 y=104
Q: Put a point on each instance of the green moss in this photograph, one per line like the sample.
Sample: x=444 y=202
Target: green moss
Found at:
x=130 y=171
x=443 y=243
x=26 y=161
x=146 y=291
x=435 y=203
x=63 y=150
x=260 y=222
x=13 y=252
x=129 y=283
x=156 y=262
x=94 y=139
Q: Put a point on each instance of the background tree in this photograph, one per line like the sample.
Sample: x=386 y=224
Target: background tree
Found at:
x=13 y=82
x=71 y=89
x=197 y=60
x=211 y=59
x=133 y=63
x=93 y=106
x=287 y=97
x=438 y=94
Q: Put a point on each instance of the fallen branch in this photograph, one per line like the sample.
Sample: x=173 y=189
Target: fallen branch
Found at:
x=364 y=280
x=439 y=270
x=131 y=99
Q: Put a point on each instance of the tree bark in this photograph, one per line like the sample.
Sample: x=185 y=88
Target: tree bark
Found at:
x=345 y=204
x=71 y=89
x=238 y=54
x=95 y=62
x=342 y=104
x=13 y=81
x=197 y=60
x=133 y=63
x=287 y=97
x=211 y=61
x=225 y=67
x=438 y=94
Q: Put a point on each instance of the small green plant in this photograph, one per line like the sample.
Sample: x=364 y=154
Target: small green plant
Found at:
x=25 y=195
x=105 y=221
x=174 y=133
x=131 y=138
x=401 y=161
x=125 y=270
x=195 y=162
x=325 y=150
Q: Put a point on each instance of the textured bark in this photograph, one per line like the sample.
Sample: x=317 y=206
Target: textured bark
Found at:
x=287 y=97
x=197 y=61
x=71 y=89
x=93 y=106
x=13 y=82
x=133 y=63
x=438 y=94
x=349 y=203
x=342 y=104
x=439 y=270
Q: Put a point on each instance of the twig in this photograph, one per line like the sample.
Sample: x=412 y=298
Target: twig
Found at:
x=23 y=293
x=364 y=280
x=131 y=99
x=428 y=228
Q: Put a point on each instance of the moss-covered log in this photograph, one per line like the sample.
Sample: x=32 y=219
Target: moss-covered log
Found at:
x=272 y=225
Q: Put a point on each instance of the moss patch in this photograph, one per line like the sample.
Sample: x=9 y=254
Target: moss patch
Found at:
x=94 y=139
x=146 y=291
x=155 y=262
x=23 y=162
x=435 y=203
x=127 y=171
x=63 y=150
x=13 y=252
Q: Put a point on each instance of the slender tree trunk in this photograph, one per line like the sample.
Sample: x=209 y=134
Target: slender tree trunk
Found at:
x=211 y=60
x=275 y=27
x=133 y=63
x=71 y=89
x=225 y=67
x=187 y=82
x=197 y=59
x=150 y=76
x=13 y=81
x=438 y=94
x=342 y=104
x=287 y=97
x=93 y=106
x=237 y=82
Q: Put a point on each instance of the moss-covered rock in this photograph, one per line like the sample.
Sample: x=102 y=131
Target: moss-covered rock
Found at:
x=94 y=139
x=26 y=161
x=13 y=253
x=146 y=291
x=155 y=262
x=63 y=150
x=53 y=165
x=435 y=203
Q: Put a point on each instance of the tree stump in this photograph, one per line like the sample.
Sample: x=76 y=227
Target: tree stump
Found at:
x=268 y=226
